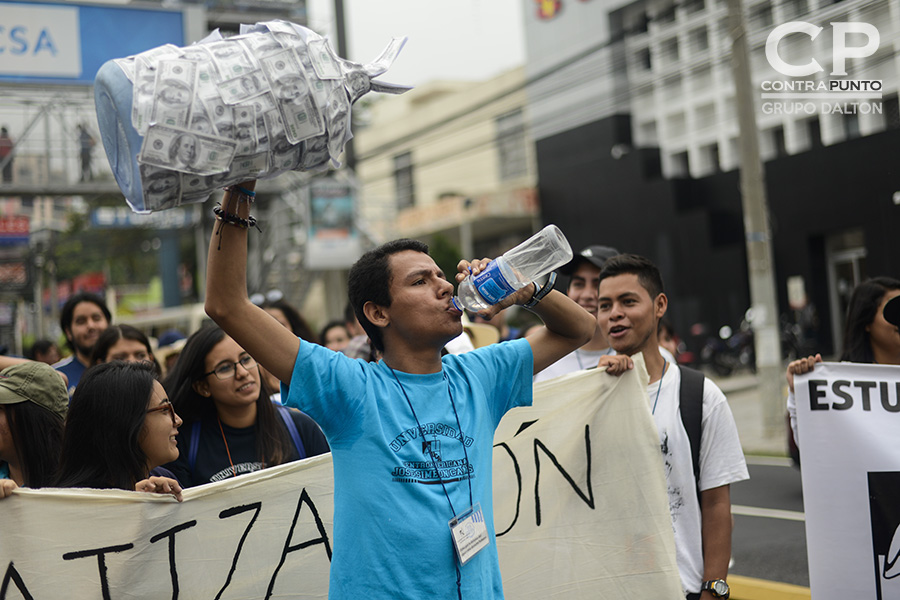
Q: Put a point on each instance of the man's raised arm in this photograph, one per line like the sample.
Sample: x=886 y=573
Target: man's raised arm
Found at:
x=227 y=303
x=567 y=326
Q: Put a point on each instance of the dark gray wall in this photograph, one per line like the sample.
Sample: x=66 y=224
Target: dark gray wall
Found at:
x=693 y=228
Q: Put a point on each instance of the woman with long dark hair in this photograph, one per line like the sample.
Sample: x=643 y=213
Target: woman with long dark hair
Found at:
x=33 y=401
x=231 y=426
x=868 y=336
x=123 y=342
x=291 y=319
x=120 y=429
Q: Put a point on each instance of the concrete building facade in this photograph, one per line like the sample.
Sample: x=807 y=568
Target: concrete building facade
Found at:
x=452 y=159
x=634 y=116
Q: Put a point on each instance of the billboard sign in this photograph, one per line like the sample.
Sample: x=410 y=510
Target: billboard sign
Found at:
x=333 y=239
x=67 y=43
x=14 y=230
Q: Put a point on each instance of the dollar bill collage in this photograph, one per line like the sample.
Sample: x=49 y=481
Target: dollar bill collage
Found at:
x=272 y=99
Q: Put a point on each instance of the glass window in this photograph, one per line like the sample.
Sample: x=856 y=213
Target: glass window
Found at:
x=404 y=183
x=511 y=145
x=851 y=126
x=681 y=166
x=891 y=109
x=699 y=39
x=761 y=16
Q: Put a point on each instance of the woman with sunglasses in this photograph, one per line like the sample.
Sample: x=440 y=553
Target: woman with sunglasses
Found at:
x=231 y=426
x=120 y=429
x=868 y=336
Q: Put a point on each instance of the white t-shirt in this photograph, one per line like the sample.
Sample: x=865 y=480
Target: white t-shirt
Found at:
x=721 y=463
x=792 y=411
x=571 y=362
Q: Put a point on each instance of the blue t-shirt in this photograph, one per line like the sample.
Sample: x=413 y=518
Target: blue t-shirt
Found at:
x=73 y=369
x=391 y=537
x=4 y=470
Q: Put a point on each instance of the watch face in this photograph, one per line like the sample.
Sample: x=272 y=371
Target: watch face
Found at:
x=720 y=587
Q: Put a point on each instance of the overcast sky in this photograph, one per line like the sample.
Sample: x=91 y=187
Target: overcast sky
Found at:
x=448 y=39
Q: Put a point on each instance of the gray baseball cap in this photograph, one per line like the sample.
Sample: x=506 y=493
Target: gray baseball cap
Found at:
x=596 y=255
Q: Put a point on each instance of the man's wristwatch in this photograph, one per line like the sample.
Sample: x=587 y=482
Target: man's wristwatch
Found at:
x=717 y=587
x=540 y=292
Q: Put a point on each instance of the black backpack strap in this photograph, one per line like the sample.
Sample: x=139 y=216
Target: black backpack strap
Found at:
x=691 y=402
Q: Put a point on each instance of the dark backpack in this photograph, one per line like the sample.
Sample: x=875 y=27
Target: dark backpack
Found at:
x=691 y=401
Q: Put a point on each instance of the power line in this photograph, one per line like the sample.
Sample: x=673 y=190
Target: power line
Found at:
x=617 y=64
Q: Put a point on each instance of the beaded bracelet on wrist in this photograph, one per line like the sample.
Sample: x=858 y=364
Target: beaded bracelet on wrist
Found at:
x=234 y=220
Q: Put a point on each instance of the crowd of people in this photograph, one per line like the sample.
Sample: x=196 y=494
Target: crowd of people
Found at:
x=260 y=388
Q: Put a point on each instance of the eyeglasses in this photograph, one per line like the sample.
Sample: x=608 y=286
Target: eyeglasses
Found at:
x=227 y=369
x=165 y=407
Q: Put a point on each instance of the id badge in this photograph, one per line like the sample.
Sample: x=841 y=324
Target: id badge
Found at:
x=469 y=533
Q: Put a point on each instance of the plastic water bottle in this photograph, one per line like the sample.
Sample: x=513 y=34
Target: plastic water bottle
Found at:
x=516 y=268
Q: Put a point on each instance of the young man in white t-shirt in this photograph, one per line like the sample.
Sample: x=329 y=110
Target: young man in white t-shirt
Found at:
x=584 y=277
x=631 y=303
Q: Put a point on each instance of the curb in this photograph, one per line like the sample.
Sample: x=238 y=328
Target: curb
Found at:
x=749 y=588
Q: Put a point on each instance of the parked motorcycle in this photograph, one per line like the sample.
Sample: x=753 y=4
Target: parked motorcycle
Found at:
x=735 y=350
x=731 y=350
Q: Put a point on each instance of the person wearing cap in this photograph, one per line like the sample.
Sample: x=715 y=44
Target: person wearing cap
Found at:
x=584 y=282
x=33 y=403
x=871 y=334
x=83 y=318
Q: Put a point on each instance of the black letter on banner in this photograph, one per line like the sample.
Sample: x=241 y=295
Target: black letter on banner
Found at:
x=173 y=571
x=865 y=386
x=13 y=574
x=886 y=400
x=836 y=387
x=518 y=489
x=100 y=553
x=304 y=497
x=230 y=512
x=815 y=393
x=589 y=500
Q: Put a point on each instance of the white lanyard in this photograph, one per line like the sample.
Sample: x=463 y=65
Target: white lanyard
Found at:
x=659 y=389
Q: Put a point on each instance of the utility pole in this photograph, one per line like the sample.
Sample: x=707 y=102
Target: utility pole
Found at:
x=760 y=265
x=341 y=31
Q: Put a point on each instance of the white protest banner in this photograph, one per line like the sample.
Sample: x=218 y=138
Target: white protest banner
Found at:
x=261 y=535
x=848 y=417
x=579 y=500
x=580 y=503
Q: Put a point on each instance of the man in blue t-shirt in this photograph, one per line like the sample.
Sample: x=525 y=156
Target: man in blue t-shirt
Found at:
x=411 y=434
x=83 y=318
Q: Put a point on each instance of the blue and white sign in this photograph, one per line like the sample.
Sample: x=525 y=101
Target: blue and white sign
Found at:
x=68 y=43
x=121 y=217
x=40 y=40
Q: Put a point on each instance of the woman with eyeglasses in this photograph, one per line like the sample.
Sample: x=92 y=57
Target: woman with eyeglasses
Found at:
x=119 y=430
x=231 y=426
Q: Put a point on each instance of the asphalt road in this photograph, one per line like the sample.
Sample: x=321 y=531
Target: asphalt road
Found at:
x=769 y=540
